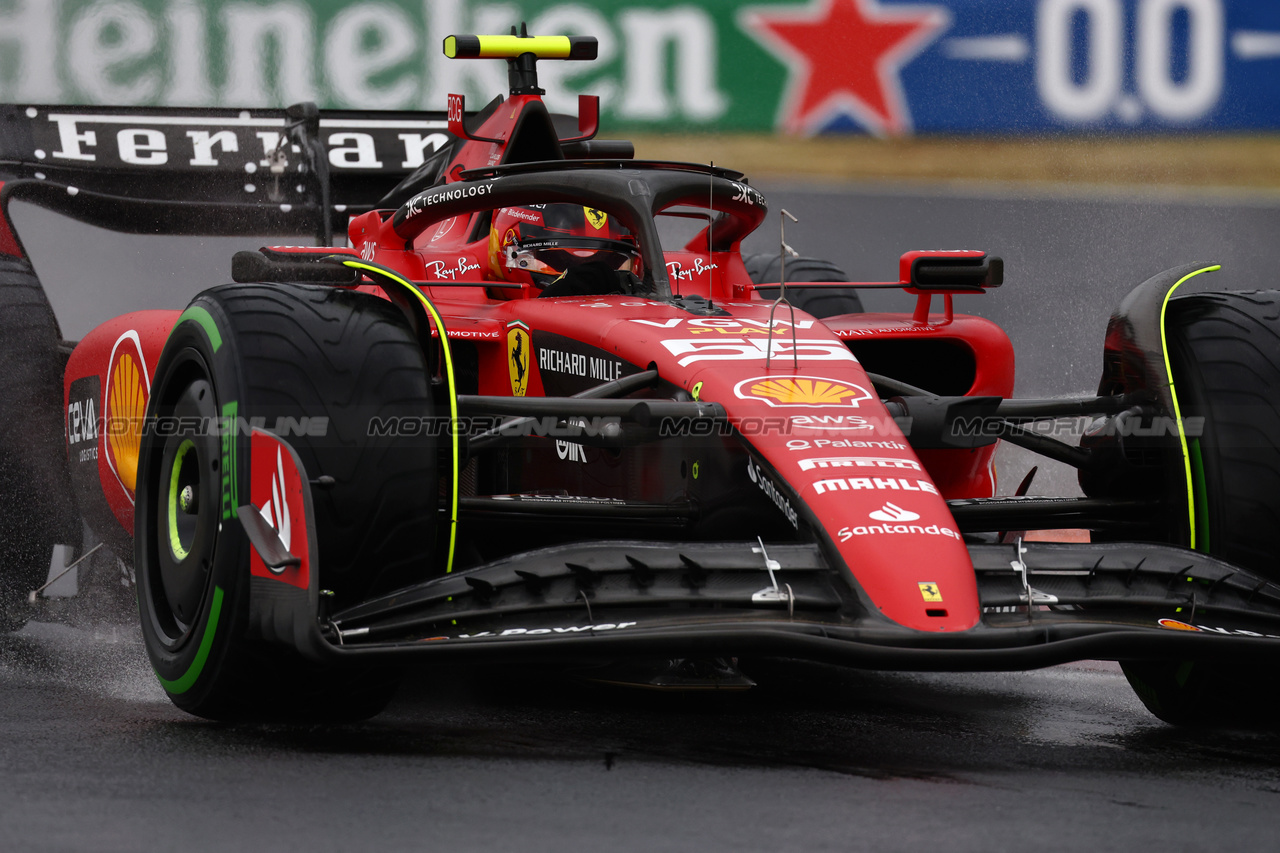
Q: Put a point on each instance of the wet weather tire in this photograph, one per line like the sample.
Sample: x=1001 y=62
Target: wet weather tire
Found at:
x=275 y=355
x=1224 y=352
x=38 y=510
x=764 y=269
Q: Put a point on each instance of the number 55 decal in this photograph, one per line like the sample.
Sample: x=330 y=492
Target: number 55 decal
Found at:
x=746 y=349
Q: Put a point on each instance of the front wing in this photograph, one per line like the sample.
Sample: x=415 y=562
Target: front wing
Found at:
x=1042 y=604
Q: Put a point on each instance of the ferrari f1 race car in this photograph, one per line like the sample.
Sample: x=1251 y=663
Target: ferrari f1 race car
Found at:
x=537 y=407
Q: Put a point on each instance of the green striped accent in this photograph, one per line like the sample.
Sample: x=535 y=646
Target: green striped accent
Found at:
x=1202 y=495
x=202 y=316
x=230 y=491
x=184 y=683
x=1177 y=410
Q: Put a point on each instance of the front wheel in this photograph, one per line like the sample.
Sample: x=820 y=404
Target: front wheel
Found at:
x=1205 y=693
x=319 y=364
x=1224 y=353
x=766 y=268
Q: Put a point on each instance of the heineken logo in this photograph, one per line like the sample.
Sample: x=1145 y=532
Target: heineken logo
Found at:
x=884 y=67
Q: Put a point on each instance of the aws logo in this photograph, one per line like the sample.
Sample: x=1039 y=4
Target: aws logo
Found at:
x=127 y=390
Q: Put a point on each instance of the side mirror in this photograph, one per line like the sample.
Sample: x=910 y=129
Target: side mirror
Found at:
x=958 y=271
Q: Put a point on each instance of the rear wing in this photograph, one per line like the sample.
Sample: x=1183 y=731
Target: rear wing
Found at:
x=176 y=170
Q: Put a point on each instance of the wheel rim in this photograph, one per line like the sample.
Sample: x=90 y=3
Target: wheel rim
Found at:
x=185 y=505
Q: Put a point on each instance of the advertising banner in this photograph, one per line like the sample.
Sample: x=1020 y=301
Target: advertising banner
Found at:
x=880 y=67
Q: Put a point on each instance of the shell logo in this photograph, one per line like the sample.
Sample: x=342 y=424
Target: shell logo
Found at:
x=801 y=391
x=1175 y=625
x=127 y=389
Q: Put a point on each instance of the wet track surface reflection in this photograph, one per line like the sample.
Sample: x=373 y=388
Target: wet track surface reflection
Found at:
x=95 y=758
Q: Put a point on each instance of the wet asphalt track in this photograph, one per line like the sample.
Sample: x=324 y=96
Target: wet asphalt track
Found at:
x=92 y=757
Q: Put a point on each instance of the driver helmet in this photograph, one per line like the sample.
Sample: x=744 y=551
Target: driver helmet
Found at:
x=537 y=243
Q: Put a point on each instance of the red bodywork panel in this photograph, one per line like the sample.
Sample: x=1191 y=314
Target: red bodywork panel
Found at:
x=276 y=488
x=818 y=443
x=106 y=388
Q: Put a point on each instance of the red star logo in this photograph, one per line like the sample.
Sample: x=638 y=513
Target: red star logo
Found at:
x=844 y=57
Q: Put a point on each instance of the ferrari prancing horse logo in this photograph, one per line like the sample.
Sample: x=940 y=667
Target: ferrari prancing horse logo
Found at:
x=518 y=350
x=597 y=218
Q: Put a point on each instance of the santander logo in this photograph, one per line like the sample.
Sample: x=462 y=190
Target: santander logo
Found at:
x=893 y=512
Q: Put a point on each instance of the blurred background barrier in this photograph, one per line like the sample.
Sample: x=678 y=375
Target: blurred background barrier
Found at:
x=877 y=67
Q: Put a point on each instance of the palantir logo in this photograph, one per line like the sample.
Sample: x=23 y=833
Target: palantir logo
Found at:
x=893 y=512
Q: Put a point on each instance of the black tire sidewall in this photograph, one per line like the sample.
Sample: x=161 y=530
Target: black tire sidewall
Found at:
x=189 y=670
x=1224 y=351
x=273 y=350
x=1190 y=385
x=764 y=268
x=35 y=487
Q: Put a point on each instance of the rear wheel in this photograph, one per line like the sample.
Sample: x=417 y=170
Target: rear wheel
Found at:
x=1224 y=352
x=320 y=363
x=35 y=490
x=766 y=268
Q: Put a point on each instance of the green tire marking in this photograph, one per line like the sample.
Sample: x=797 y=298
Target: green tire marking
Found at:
x=1177 y=410
x=175 y=541
x=1202 y=496
x=202 y=316
x=230 y=491
x=185 y=682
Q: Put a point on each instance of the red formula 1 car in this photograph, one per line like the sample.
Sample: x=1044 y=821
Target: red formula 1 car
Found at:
x=541 y=409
